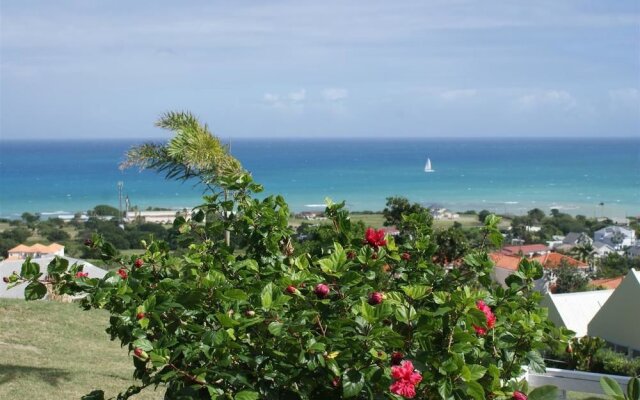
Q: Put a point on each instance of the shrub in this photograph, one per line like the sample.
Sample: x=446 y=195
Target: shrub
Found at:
x=248 y=319
x=610 y=362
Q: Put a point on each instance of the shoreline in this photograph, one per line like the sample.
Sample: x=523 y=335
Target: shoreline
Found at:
x=510 y=208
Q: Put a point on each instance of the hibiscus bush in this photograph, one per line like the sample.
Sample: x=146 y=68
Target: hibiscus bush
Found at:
x=235 y=315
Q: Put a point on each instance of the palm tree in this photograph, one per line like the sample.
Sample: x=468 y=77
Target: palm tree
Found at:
x=194 y=152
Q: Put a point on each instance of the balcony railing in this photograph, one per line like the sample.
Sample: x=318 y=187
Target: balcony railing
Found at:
x=573 y=381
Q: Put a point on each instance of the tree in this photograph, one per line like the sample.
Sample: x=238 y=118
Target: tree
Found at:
x=482 y=215
x=569 y=279
x=536 y=215
x=104 y=210
x=396 y=207
x=58 y=235
x=452 y=245
x=29 y=218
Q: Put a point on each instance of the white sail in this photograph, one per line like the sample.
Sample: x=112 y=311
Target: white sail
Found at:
x=427 y=167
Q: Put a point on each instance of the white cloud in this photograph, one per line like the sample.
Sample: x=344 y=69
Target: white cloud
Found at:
x=458 y=94
x=298 y=96
x=547 y=98
x=335 y=94
x=625 y=96
x=271 y=98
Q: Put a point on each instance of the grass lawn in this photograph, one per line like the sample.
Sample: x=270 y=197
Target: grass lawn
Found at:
x=58 y=351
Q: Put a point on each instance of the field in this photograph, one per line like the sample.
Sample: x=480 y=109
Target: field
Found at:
x=58 y=351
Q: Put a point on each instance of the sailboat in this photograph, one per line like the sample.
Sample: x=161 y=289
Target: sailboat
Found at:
x=427 y=167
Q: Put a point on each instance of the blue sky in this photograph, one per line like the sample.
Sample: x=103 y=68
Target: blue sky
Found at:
x=98 y=69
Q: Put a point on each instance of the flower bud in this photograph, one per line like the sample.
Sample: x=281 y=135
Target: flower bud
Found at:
x=569 y=349
x=140 y=315
x=396 y=358
x=375 y=298
x=519 y=396
x=351 y=255
x=250 y=313
x=88 y=242
x=405 y=256
x=123 y=273
x=5 y=279
x=321 y=290
x=291 y=289
x=140 y=353
x=138 y=263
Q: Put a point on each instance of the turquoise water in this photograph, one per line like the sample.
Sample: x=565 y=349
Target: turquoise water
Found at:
x=504 y=175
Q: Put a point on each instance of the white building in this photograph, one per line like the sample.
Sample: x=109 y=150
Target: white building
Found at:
x=617 y=237
x=158 y=217
x=618 y=320
x=574 y=311
x=7 y=267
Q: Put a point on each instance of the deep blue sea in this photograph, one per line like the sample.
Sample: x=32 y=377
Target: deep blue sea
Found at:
x=503 y=175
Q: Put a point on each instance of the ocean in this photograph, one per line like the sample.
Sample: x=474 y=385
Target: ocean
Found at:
x=500 y=175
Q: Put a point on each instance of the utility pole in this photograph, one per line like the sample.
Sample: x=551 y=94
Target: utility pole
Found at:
x=121 y=221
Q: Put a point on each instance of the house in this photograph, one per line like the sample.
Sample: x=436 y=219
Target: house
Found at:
x=601 y=249
x=577 y=239
x=506 y=264
x=617 y=237
x=617 y=320
x=528 y=250
x=21 y=251
x=633 y=251
x=7 y=267
x=574 y=311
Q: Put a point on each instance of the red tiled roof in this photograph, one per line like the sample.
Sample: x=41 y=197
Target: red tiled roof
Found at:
x=525 y=249
x=609 y=283
x=549 y=261
x=36 y=248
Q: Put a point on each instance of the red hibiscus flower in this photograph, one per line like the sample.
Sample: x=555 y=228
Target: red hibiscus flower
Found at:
x=490 y=317
x=375 y=238
x=81 y=274
x=123 y=273
x=406 y=379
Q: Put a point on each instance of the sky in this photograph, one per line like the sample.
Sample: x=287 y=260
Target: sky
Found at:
x=306 y=69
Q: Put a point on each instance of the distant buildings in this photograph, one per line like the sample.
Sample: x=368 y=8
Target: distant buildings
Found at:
x=21 y=251
x=158 y=217
x=507 y=260
x=617 y=237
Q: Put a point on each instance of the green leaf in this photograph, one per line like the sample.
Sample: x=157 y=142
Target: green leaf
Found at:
x=633 y=389
x=29 y=270
x=267 y=296
x=275 y=328
x=473 y=372
x=57 y=266
x=475 y=390
x=226 y=320
x=546 y=392
x=352 y=383
x=236 y=294
x=246 y=395
x=611 y=387
x=35 y=291
x=143 y=344
x=416 y=292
